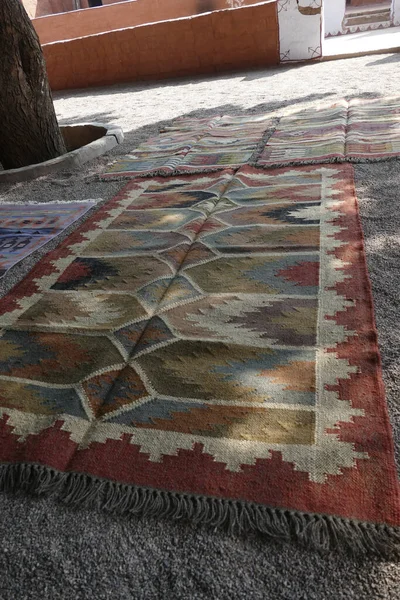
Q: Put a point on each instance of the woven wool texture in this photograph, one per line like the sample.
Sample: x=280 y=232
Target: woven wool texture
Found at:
x=26 y=228
x=349 y=131
x=355 y=131
x=195 y=146
x=204 y=347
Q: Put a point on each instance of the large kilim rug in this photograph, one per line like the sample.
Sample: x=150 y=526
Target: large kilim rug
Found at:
x=26 y=227
x=204 y=347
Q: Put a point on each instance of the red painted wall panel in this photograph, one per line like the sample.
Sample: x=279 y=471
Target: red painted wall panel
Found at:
x=222 y=40
x=71 y=25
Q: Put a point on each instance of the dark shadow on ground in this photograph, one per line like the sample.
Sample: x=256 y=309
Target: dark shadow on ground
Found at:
x=98 y=117
x=132 y=87
x=392 y=59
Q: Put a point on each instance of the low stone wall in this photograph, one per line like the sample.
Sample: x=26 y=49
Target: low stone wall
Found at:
x=396 y=12
x=80 y=23
x=223 y=40
x=84 y=142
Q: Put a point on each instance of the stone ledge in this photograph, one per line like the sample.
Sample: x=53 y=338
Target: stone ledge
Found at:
x=103 y=136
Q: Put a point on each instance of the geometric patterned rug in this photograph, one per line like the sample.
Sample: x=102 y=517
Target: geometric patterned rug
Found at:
x=27 y=227
x=203 y=347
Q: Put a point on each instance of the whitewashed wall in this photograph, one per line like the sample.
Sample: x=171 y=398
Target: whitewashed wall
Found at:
x=333 y=16
x=396 y=12
x=300 y=24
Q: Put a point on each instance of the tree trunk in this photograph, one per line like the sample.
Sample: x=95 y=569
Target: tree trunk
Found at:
x=29 y=131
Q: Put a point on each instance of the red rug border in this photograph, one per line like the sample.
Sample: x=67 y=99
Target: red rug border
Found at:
x=340 y=486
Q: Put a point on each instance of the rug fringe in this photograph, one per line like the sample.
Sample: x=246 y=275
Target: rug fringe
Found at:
x=252 y=162
x=176 y=172
x=320 y=532
x=255 y=157
x=322 y=161
x=303 y=163
x=375 y=159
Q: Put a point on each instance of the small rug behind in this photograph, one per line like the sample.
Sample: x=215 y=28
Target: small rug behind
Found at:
x=26 y=227
x=373 y=129
x=195 y=146
x=311 y=136
x=355 y=131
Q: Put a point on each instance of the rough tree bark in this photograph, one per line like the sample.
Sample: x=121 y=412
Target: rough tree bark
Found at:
x=29 y=131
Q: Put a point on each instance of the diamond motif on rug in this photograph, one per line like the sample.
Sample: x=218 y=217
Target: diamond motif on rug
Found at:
x=225 y=364
x=113 y=390
x=26 y=228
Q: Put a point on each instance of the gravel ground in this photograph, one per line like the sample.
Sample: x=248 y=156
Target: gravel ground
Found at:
x=49 y=551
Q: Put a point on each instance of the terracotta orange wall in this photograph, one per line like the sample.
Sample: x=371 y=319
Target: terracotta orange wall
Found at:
x=85 y=3
x=222 y=40
x=71 y=25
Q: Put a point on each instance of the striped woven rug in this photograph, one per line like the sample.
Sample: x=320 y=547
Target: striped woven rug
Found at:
x=349 y=131
x=354 y=131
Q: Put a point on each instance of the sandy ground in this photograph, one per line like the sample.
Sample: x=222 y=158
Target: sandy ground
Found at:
x=48 y=551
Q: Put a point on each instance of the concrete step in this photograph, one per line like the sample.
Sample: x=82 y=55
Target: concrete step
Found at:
x=367 y=11
x=366 y=27
x=368 y=8
x=367 y=18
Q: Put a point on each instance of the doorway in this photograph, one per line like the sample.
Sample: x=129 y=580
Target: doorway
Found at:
x=355 y=27
x=356 y=16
